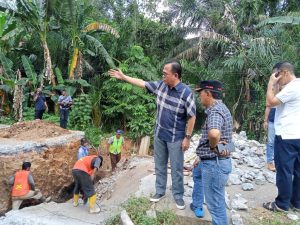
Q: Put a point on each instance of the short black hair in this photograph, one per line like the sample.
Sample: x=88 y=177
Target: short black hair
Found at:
x=215 y=95
x=284 y=65
x=26 y=165
x=83 y=140
x=176 y=66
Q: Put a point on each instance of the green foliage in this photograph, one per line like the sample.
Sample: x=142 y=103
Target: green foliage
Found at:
x=29 y=70
x=94 y=135
x=131 y=105
x=137 y=207
x=80 y=115
x=6 y=120
x=28 y=114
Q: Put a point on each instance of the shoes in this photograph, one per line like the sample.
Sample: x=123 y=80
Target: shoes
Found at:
x=294 y=208
x=93 y=206
x=156 y=198
x=273 y=207
x=75 y=199
x=180 y=204
x=199 y=212
x=271 y=167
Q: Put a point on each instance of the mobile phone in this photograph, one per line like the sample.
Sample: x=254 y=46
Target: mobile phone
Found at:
x=277 y=74
x=229 y=147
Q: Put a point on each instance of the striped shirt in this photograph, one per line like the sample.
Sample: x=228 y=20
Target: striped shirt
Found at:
x=217 y=117
x=174 y=107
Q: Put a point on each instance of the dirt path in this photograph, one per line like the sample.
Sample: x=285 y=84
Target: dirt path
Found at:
x=129 y=180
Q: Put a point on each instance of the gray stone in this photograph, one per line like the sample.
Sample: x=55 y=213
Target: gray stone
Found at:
x=234 y=179
x=236 y=219
x=247 y=186
x=293 y=217
x=191 y=184
x=227 y=200
x=260 y=179
x=125 y=218
x=236 y=155
x=151 y=213
x=239 y=203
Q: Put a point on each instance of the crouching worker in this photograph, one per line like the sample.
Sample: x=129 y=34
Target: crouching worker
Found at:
x=84 y=172
x=23 y=186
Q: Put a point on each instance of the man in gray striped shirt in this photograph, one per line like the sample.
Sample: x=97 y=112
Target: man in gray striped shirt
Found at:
x=176 y=115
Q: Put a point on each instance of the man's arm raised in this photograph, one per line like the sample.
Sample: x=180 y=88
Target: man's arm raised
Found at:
x=121 y=76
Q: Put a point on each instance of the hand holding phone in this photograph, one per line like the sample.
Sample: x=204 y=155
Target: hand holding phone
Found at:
x=225 y=147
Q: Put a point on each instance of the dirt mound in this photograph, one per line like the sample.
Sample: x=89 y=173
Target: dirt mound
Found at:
x=33 y=130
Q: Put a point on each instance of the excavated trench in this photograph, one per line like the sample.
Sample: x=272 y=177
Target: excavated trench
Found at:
x=52 y=153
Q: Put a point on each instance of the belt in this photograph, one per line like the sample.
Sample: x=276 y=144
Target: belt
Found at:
x=214 y=158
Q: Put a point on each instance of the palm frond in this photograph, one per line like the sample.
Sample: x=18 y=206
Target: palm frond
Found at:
x=100 y=50
x=103 y=27
x=211 y=35
x=281 y=20
x=7 y=65
x=29 y=70
x=232 y=22
x=191 y=53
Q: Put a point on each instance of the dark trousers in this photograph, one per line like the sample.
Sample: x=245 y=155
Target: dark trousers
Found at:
x=287 y=162
x=39 y=114
x=114 y=158
x=64 y=114
x=83 y=182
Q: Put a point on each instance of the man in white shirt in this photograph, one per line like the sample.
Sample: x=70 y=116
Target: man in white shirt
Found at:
x=287 y=139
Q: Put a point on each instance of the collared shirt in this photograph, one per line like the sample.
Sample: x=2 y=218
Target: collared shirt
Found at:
x=288 y=112
x=65 y=101
x=217 y=117
x=82 y=152
x=174 y=106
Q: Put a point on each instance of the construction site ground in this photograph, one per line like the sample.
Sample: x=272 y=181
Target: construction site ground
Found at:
x=135 y=179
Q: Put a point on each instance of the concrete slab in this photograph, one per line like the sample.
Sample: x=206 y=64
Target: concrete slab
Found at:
x=55 y=214
x=186 y=216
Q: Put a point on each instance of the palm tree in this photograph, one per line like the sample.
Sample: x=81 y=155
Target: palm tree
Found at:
x=84 y=32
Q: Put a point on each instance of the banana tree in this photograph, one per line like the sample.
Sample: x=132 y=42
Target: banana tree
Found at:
x=34 y=16
x=84 y=37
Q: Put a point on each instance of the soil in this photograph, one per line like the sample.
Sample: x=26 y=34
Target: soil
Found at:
x=33 y=130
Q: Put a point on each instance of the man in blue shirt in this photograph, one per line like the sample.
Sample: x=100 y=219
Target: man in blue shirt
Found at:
x=83 y=150
x=40 y=104
x=65 y=102
x=176 y=115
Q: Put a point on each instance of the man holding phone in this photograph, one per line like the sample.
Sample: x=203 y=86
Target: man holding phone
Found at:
x=215 y=163
x=287 y=136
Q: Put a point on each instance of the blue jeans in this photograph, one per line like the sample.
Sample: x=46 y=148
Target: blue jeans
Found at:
x=270 y=144
x=198 y=192
x=215 y=175
x=162 y=151
x=287 y=162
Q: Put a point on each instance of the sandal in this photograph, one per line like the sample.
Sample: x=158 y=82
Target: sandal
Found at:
x=272 y=207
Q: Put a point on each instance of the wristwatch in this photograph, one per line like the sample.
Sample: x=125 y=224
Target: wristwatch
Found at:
x=188 y=136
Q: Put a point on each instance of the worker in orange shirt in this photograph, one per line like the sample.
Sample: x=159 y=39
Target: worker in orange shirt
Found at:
x=23 y=186
x=84 y=173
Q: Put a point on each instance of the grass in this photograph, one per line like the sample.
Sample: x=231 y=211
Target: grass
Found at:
x=136 y=209
x=272 y=218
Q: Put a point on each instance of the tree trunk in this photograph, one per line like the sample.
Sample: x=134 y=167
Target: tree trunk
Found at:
x=49 y=72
